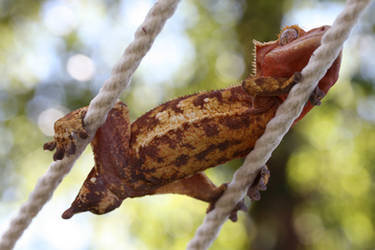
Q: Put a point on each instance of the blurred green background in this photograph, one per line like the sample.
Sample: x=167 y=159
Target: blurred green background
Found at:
x=55 y=55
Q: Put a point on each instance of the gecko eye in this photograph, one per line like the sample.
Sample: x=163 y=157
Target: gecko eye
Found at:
x=288 y=35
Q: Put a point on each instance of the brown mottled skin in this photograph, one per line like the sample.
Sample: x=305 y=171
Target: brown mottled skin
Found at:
x=166 y=149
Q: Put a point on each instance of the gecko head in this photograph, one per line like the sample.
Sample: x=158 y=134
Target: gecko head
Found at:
x=93 y=196
x=290 y=53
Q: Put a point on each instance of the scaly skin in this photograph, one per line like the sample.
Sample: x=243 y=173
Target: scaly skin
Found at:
x=166 y=149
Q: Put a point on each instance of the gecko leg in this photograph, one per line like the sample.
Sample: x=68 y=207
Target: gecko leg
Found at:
x=200 y=187
x=270 y=86
x=276 y=86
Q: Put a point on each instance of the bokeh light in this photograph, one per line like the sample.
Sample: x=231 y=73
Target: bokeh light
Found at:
x=80 y=67
x=47 y=118
x=59 y=18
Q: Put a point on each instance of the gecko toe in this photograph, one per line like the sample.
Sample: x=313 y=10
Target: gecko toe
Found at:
x=239 y=207
x=49 y=145
x=261 y=185
x=297 y=77
x=254 y=195
x=83 y=134
x=233 y=216
x=71 y=149
x=59 y=154
x=316 y=96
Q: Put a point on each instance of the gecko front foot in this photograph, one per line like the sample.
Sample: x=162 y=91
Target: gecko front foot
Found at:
x=259 y=184
x=66 y=131
x=316 y=96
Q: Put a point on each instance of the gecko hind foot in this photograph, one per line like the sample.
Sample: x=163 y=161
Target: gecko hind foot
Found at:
x=259 y=184
x=67 y=129
x=233 y=214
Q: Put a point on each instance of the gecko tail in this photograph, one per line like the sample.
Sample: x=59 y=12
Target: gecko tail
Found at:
x=94 y=196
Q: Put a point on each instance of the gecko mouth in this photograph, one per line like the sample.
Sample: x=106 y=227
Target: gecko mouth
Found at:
x=318 y=32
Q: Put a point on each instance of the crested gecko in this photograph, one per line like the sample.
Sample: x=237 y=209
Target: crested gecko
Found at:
x=167 y=149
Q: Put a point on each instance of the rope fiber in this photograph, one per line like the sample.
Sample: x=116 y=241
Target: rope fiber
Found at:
x=319 y=63
x=95 y=117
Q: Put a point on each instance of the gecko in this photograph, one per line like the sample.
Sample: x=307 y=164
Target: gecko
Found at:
x=167 y=149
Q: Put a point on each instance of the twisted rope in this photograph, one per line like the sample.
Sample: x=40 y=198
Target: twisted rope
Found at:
x=319 y=63
x=95 y=117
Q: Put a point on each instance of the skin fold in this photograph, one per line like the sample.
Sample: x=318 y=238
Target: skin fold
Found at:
x=167 y=149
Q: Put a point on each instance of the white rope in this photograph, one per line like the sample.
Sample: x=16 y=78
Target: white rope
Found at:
x=318 y=65
x=96 y=115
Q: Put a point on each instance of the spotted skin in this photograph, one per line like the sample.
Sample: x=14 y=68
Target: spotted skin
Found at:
x=213 y=117
x=166 y=149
